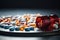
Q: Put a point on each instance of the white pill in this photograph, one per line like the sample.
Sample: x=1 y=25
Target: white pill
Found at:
x=55 y=25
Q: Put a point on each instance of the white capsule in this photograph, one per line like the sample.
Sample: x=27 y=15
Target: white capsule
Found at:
x=36 y=29
x=3 y=16
x=56 y=26
x=23 y=19
x=31 y=20
x=12 y=22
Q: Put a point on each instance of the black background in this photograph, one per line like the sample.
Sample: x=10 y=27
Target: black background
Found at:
x=30 y=4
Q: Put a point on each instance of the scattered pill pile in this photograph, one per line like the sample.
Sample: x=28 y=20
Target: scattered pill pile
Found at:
x=30 y=22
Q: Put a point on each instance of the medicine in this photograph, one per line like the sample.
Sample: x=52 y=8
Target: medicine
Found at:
x=27 y=29
x=1 y=26
x=17 y=29
x=6 y=27
x=31 y=29
x=11 y=29
x=22 y=28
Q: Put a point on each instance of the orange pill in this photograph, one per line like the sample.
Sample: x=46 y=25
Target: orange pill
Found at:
x=33 y=25
x=25 y=25
x=17 y=22
x=22 y=28
x=9 y=19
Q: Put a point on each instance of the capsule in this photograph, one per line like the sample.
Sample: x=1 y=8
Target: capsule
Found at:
x=43 y=23
x=1 y=26
x=33 y=25
x=7 y=27
x=27 y=29
x=11 y=29
x=21 y=28
x=31 y=29
x=17 y=29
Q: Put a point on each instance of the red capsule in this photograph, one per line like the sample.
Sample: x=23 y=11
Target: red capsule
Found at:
x=53 y=20
x=39 y=22
x=45 y=23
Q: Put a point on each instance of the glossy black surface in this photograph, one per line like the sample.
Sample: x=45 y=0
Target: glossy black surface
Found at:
x=37 y=34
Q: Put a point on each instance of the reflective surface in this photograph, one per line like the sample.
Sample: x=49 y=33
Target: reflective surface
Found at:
x=30 y=38
x=18 y=12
